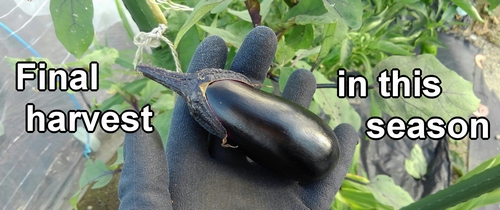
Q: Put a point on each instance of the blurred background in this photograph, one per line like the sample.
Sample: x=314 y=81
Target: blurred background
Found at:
x=41 y=170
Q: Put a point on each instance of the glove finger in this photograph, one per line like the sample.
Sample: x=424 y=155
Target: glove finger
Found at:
x=186 y=137
x=256 y=54
x=211 y=53
x=253 y=60
x=323 y=192
x=300 y=87
x=144 y=178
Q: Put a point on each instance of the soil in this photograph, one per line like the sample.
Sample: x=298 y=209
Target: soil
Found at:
x=487 y=37
x=105 y=198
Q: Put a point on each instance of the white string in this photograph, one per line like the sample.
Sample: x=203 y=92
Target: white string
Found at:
x=153 y=39
x=170 y=4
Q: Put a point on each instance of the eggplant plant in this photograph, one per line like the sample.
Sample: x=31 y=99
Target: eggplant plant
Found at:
x=319 y=35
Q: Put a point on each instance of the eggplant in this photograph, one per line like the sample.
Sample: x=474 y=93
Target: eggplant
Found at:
x=274 y=132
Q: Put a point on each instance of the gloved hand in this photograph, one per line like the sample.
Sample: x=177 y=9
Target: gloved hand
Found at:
x=200 y=173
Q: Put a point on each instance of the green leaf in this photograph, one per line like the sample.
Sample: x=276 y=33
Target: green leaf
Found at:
x=123 y=17
x=243 y=15
x=467 y=6
x=110 y=102
x=302 y=65
x=136 y=86
x=406 y=1
x=164 y=103
x=119 y=159
x=372 y=19
x=397 y=38
x=161 y=123
x=339 y=109
x=267 y=86
x=358 y=199
x=119 y=108
x=351 y=11
x=326 y=12
x=284 y=54
x=353 y=169
x=492 y=197
x=416 y=165
x=96 y=172
x=457 y=97
x=105 y=57
x=465 y=190
x=482 y=167
x=392 y=48
x=356 y=182
x=340 y=32
x=74 y=199
x=240 y=29
x=300 y=37
x=152 y=90
x=430 y=40
x=345 y=51
x=448 y=14
x=73 y=24
x=339 y=203
x=224 y=34
x=125 y=59
x=388 y=193
x=285 y=73
x=315 y=108
x=221 y=7
x=303 y=53
x=359 y=196
x=309 y=12
x=379 y=4
x=200 y=10
x=380 y=30
x=493 y=4
x=334 y=33
x=187 y=47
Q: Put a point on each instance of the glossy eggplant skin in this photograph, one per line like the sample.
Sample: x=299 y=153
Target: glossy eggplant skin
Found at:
x=276 y=133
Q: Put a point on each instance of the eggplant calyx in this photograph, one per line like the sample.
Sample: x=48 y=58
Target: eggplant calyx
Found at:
x=192 y=87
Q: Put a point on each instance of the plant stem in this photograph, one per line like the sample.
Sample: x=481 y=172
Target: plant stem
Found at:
x=156 y=11
x=141 y=14
x=125 y=22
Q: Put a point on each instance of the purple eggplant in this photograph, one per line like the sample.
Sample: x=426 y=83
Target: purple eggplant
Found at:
x=274 y=132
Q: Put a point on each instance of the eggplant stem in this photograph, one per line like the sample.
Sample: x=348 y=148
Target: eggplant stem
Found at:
x=177 y=82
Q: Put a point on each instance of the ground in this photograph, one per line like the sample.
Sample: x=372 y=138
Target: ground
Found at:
x=487 y=37
x=105 y=198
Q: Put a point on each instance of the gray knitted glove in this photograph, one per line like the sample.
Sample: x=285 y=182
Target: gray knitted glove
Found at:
x=201 y=174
